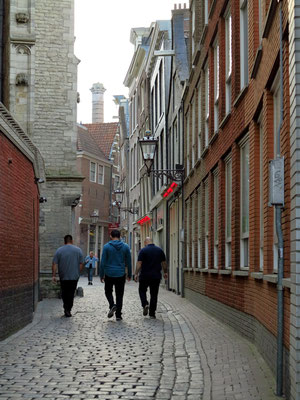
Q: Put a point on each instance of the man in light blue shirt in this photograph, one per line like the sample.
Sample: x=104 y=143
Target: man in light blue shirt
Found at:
x=90 y=265
x=69 y=259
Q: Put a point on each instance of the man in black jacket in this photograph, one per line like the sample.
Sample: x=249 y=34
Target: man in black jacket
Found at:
x=151 y=260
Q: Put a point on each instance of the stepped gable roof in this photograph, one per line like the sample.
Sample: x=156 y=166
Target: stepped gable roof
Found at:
x=104 y=135
x=85 y=142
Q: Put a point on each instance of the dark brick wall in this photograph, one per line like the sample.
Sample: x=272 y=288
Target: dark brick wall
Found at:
x=19 y=208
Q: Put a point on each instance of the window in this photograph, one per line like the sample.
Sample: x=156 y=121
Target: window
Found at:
x=193 y=110
x=260 y=19
x=143 y=96
x=228 y=61
x=276 y=112
x=205 y=11
x=160 y=89
x=199 y=228
x=216 y=219
x=228 y=211
x=193 y=10
x=199 y=122
x=244 y=43
x=188 y=237
x=261 y=196
x=206 y=222
x=194 y=239
x=216 y=86
x=188 y=143
x=244 y=204
x=92 y=171
x=101 y=174
x=206 y=74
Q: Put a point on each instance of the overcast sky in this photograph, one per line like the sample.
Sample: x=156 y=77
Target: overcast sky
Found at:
x=102 y=30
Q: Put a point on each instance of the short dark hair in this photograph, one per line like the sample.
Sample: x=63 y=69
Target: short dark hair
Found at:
x=115 y=233
x=68 y=239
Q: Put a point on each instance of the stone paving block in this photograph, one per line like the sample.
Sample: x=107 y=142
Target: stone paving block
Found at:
x=183 y=354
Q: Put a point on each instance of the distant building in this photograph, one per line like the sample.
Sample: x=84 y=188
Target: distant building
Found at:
x=92 y=215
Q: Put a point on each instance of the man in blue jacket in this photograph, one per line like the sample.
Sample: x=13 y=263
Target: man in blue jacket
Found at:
x=115 y=259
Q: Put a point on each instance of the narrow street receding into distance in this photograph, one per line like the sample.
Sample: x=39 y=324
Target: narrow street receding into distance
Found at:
x=183 y=354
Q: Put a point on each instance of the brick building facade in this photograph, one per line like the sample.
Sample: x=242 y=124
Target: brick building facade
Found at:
x=20 y=165
x=232 y=109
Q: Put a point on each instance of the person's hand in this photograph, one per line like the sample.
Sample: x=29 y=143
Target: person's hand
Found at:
x=136 y=278
x=166 y=275
x=128 y=279
x=54 y=280
x=102 y=280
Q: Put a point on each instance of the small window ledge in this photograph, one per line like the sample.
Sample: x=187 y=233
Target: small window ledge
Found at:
x=197 y=163
x=286 y=282
x=225 y=271
x=240 y=273
x=213 y=271
x=213 y=138
x=224 y=120
x=204 y=152
x=272 y=278
x=203 y=270
x=240 y=96
x=204 y=32
x=257 y=275
x=188 y=269
x=192 y=171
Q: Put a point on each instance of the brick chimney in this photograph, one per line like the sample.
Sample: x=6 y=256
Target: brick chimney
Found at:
x=98 y=102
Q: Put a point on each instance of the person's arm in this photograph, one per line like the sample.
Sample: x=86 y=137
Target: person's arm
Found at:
x=137 y=270
x=102 y=265
x=54 y=272
x=165 y=268
x=128 y=264
x=81 y=266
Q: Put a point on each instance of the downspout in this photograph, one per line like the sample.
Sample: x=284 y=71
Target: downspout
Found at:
x=110 y=192
x=182 y=204
x=278 y=210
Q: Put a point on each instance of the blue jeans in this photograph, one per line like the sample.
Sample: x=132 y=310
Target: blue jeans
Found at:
x=90 y=274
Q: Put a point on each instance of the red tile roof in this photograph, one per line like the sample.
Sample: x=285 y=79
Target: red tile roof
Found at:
x=104 y=135
x=85 y=142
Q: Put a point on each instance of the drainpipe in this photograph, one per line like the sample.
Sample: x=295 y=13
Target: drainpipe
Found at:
x=278 y=210
x=182 y=204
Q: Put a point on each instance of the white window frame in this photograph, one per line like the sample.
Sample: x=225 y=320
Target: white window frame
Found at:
x=93 y=172
x=228 y=211
x=199 y=92
x=261 y=195
x=188 y=142
x=188 y=235
x=206 y=223
x=199 y=247
x=206 y=74
x=216 y=219
x=101 y=175
x=260 y=19
x=193 y=203
x=216 y=85
x=193 y=110
x=244 y=44
x=228 y=61
x=276 y=121
x=244 y=201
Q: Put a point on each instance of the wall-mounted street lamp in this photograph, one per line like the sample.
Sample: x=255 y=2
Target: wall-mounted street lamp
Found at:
x=148 y=146
x=117 y=203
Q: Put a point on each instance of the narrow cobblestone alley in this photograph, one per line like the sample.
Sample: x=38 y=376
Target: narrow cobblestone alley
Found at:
x=183 y=354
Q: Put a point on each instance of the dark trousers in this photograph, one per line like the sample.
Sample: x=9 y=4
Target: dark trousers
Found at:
x=67 y=293
x=90 y=274
x=119 y=284
x=153 y=284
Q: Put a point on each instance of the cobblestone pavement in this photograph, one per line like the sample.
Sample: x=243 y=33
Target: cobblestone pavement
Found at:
x=183 y=354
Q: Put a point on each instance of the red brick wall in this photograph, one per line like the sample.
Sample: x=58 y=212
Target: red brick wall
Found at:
x=257 y=298
x=19 y=219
